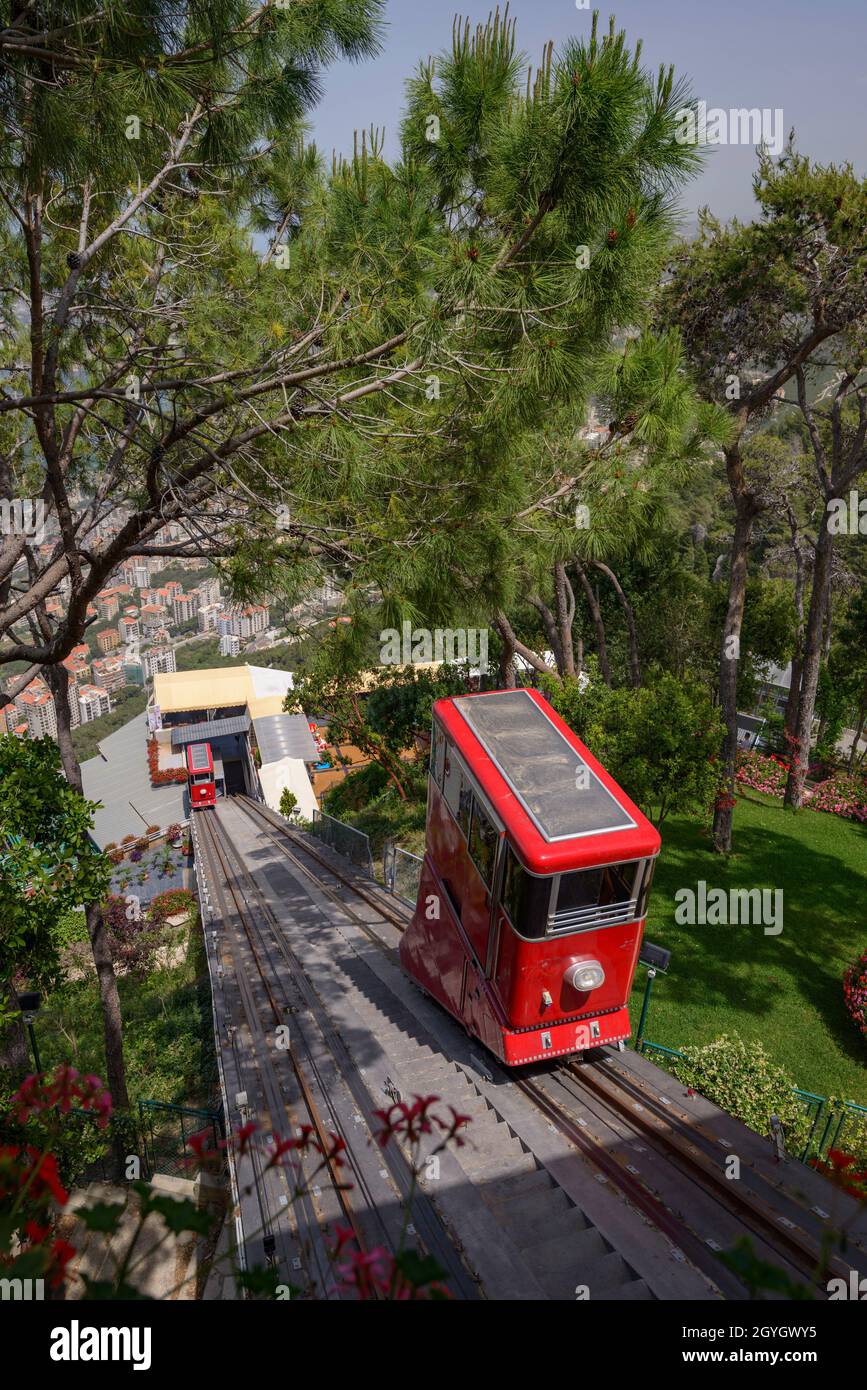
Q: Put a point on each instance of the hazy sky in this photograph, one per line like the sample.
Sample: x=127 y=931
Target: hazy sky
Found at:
x=807 y=57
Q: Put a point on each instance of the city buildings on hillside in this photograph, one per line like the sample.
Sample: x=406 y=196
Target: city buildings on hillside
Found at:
x=243 y=622
x=32 y=713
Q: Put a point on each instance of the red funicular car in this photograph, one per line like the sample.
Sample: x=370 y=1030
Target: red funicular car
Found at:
x=200 y=776
x=535 y=881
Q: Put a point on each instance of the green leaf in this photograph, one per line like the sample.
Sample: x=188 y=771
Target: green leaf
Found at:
x=419 y=1270
x=102 y=1216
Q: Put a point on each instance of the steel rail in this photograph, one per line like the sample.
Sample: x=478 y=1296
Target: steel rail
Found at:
x=279 y=1014
x=255 y=810
x=797 y=1246
x=428 y=1224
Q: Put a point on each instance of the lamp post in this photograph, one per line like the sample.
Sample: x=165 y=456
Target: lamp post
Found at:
x=657 y=959
x=29 y=1002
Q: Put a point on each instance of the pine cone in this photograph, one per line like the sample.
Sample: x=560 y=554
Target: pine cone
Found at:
x=612 y=236
x=73 y=260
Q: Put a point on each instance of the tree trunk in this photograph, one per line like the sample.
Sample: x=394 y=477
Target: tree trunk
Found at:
x=745 y=515
x=504 y=627
x=813 y=642
x=551 y=632
x=859 y=728
x=564 y=600
x=14 y=1056
x=508 y=679
x=790 y=718
x=58 y=679
x=596 y=614
x=634 y=661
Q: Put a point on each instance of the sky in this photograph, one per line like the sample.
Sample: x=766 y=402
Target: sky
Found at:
x=805 y=58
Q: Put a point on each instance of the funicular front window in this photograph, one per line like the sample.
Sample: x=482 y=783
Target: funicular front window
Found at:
x=596 y=897
x=526 y=899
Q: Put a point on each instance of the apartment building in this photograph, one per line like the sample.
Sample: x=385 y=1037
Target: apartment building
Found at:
x=185 y=607
x=108 y=640
x=209 y=617
x=93 y=701
x=243 y=622
x=153 y=616
x=108 y=673
x=160 y=660
x=107 y=604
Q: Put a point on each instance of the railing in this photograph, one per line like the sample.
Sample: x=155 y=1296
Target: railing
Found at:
x=401 y=872
x=832 y=1120
x=166 y=1130
x=345 y=839
x=586 y=918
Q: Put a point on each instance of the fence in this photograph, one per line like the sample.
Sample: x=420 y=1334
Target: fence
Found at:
x=833 y=1121
x=401 y=872
x=166 y=1130
x=345 y=839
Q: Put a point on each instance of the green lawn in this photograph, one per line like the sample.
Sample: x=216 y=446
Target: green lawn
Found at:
x=783 y=990
x=168 y=1031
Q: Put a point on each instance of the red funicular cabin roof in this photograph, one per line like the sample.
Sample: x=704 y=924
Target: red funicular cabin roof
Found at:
x=199 y=757
x=558 y=804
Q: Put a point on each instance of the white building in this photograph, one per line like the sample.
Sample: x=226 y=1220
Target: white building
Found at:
x=209 y=616
x=230 y=644
x=92 y=702
x=159 y=660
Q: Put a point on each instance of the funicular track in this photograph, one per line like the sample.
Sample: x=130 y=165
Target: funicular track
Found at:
x=307 y=1076
x=669 y=1175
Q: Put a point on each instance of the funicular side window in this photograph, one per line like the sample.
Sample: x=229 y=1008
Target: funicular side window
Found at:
x=437 y=753
x=483 y=840
x=451 y=780
x=526 y=898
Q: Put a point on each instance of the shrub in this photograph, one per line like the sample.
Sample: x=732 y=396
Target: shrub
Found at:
x=745 y=1082
x=855 y=993
x=174 y=832
x=112 y=844
x=288 y=802
x=170 y=903
x=153 y=830
x=116 y=856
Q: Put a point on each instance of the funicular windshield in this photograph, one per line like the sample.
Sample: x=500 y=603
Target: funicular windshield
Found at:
x=580 y=901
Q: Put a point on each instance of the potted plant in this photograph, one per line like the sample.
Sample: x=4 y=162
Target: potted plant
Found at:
x=173 y=835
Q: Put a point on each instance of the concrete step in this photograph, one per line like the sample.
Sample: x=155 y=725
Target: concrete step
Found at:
x=634 y=1292
x=539 y=1224
x=521 y=1183
x=572 y=1256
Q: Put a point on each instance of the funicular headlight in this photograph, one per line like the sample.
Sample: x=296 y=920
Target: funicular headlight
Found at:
x=587 y=975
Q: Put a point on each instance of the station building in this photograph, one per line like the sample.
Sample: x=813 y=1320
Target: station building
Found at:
x=257 y=747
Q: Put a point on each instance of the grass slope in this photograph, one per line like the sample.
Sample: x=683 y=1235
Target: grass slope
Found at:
x=782 y=990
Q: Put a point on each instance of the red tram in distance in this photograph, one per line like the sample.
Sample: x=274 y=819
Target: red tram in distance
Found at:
x=200 y=776
x=535 y=881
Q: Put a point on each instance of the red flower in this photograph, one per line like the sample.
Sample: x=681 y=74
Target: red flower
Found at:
x=61 y=1253
x=406 y=1121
